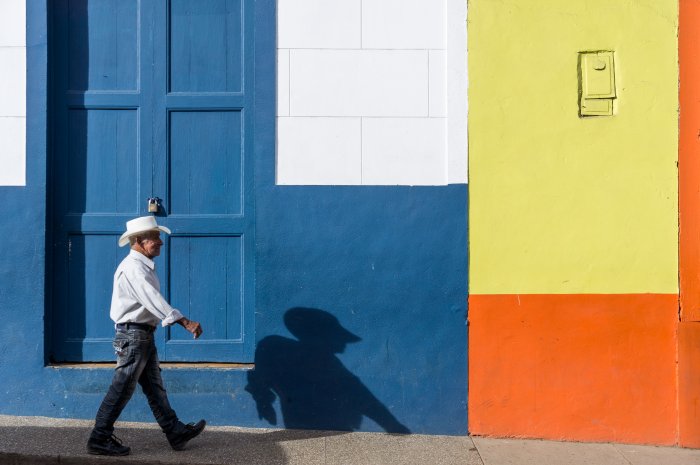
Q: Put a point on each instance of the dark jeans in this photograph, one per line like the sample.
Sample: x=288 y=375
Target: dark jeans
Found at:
x=137 y=361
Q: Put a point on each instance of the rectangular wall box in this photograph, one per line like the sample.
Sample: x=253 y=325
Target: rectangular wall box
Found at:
x=596 y=83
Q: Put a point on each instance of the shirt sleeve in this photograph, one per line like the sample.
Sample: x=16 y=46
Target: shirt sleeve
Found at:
x=146 y=294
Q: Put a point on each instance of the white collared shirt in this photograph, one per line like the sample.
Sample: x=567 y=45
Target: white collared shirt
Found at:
x=136 y=296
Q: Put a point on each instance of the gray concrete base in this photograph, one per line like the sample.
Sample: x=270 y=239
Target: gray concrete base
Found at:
x=42 y=441
x=537 y=452
x=39 y=440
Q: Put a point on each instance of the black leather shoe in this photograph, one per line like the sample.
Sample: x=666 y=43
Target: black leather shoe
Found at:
x=179 y=440
x=110 y=446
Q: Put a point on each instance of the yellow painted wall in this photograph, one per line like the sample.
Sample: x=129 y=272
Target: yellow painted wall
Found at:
x=561 y=204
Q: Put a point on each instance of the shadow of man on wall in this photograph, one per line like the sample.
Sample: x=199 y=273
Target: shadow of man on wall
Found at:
x=316 y=391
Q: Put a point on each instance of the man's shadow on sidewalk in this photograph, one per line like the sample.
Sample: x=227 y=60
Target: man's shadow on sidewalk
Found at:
x=315 y=390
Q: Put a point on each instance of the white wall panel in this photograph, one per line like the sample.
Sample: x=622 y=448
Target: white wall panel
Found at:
x=359 y=83
x=12 y=23
x=318 y=151
x=403 y=151
x=457 y=82
x=12 y=154
x=403 y=24
x=437 y=80
x=376 y=84
x=282 y=82
x=13 y=79
x=318 y=24
x=13 y=75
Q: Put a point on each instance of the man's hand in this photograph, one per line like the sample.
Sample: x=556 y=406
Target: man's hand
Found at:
x=191 y=326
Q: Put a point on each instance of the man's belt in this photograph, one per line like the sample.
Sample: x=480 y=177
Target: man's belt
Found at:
x=141 y=326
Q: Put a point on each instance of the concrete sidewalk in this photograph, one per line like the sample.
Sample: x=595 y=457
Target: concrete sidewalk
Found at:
x=38 y=440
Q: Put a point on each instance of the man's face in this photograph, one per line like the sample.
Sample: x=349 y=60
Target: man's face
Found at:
x=151 y=243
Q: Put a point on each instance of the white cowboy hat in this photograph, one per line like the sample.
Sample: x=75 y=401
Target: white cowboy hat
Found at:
x=140 y=225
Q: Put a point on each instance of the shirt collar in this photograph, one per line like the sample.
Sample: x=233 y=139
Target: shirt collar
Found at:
x=143 y=259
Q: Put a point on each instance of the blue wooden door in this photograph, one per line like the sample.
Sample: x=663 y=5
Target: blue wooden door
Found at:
x=153 y=98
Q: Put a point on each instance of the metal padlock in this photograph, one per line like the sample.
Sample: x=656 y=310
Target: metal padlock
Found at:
x=153 y=204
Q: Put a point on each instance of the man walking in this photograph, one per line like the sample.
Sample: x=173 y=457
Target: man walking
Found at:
x=137 y=307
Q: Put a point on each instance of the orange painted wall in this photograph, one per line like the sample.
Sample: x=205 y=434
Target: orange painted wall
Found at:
x=689 y=384
x=576 y=367
x=689 y=208
x=689 y=158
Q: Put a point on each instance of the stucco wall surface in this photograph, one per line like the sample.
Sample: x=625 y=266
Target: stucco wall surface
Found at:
x=689 y=200
x=390 y=263
x=689 y=158
x=573 y=305
x=688 y=393
x=563 y=204
x=574 y=367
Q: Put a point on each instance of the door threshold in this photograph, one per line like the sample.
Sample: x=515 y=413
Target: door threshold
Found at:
x=163 y=365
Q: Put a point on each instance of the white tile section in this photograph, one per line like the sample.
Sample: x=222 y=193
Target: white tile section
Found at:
x=438 y=96
x=457 y=82
x=13 y=23
x=13 y=81
x=318 y=24
x=403 y=151
x=12 y=151
x=282 y=82
x=359 y=82
x=13 y=85
x=313 y=151
x=376 y=92
x=403 y=24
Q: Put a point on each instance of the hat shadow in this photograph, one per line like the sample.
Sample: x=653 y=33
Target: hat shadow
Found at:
x=314 y=389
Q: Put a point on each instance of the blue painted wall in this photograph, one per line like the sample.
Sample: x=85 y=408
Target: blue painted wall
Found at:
x=389 y=263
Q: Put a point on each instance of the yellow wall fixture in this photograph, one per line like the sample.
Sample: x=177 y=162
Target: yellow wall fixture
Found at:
x=596 y=83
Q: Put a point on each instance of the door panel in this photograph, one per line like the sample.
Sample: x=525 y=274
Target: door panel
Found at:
x=205 y=162
x=90 y=282
x=206 y=277
x=89 y=292
x=206 y=45
x=103 y=42
x=206 y=177
x=98 y=164
x=121 y=136
x=102 y=161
